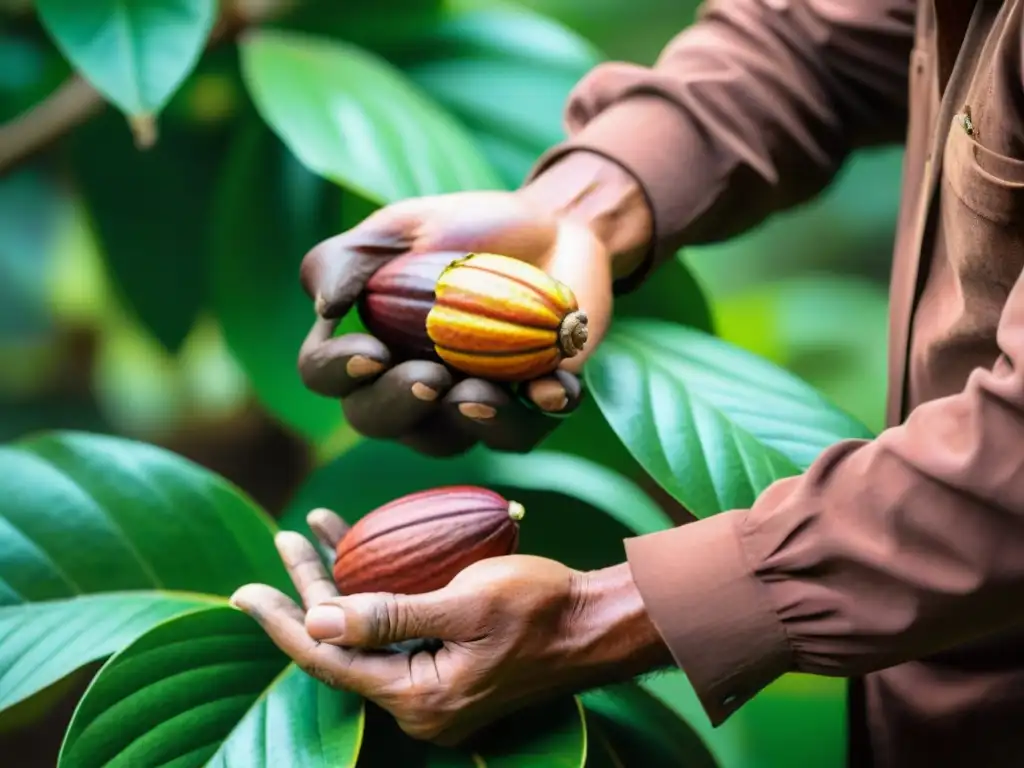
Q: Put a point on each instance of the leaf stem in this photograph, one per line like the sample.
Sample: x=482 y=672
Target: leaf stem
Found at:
x=75 y=101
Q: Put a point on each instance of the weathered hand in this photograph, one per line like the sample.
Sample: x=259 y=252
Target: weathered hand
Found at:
x=513 y=631
x=420 y=403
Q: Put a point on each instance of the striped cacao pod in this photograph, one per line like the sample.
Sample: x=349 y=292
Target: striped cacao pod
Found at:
x=483 y=314
x=419 y=542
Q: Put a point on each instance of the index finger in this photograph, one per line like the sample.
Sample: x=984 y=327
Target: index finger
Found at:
x=305 y=568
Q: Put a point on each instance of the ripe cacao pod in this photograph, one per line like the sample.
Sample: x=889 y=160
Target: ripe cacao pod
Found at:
x=419 y=542
x=483 y=314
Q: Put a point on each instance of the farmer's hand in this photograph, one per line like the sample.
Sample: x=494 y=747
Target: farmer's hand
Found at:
x=418 y=402
x=515 y=630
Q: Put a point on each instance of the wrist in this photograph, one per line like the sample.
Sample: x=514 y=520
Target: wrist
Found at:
x=616 y=638
x=588 y=189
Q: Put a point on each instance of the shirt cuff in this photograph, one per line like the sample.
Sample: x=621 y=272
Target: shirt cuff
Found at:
x=711 y=610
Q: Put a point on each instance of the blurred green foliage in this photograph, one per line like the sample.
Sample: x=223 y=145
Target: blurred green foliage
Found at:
x=154 y=295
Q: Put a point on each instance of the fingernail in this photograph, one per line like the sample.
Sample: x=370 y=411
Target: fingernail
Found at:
x=477 y=411
x=548 y=394
x=320 y=304
x=325 y=622
x=423 y=392
x=359 y=366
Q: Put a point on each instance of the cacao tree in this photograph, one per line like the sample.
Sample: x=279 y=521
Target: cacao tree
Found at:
x=210 y=145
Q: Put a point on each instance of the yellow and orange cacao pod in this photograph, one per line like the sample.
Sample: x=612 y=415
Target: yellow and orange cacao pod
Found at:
x=503 y=319
x=483 y=314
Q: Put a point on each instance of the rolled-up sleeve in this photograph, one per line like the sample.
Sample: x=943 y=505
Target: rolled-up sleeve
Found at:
x=751 y=110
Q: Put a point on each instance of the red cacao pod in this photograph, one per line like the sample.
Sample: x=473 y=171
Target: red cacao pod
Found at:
x=419 y=542
x=397 y=299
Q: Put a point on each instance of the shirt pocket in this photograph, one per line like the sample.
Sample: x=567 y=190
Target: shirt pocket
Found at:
x=990 y=184
x=982 y=204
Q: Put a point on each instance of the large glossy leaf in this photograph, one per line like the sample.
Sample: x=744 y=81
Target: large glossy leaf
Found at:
x=563 y=496
x=151 y=211
x=350 y=116
x=713 y=424
x=270 y=210
x=504 y=72
x=829 y=330
x=641 y=731
x=43 y=642
x=672 y=294
x=135 y=52
x=210 y=688
x=85 y=520
x=86 y=513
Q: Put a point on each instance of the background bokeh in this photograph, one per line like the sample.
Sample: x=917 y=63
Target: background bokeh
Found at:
x=93 y=334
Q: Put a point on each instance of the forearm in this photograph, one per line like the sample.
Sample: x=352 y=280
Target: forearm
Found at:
x=615 y=639
x=749 y=111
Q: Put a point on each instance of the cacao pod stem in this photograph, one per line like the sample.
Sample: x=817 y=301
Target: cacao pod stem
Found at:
x=516 y=510
x=572 y=333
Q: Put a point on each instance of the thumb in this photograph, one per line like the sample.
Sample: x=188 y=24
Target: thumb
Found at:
x=374 y=620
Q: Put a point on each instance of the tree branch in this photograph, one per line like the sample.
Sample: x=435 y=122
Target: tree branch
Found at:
x=74 y=102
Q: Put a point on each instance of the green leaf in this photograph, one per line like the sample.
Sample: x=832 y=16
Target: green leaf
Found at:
x=269 y=212
x=135 y=52
x=563 y=496
x=85 y=521
x=642 y=731
x=210 y=688
x=713 y=424
x=505 y=73
x=45 y=641
x=672 y=294
x=351 y=117
x=829 y=330
x=87 y=513
x=151 y=211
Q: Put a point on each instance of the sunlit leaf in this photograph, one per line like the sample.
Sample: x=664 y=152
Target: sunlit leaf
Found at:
x=713 y=424
x=84 y=521
x=135 y=52
x=45 y=641
x=350 y=116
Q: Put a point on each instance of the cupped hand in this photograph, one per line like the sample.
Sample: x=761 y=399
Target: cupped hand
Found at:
x=511 y=631
x=421 y=403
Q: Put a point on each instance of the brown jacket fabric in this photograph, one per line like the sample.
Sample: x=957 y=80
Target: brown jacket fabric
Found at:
x=898 y=562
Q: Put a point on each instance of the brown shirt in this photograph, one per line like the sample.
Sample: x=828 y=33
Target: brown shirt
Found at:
x=898 y=561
